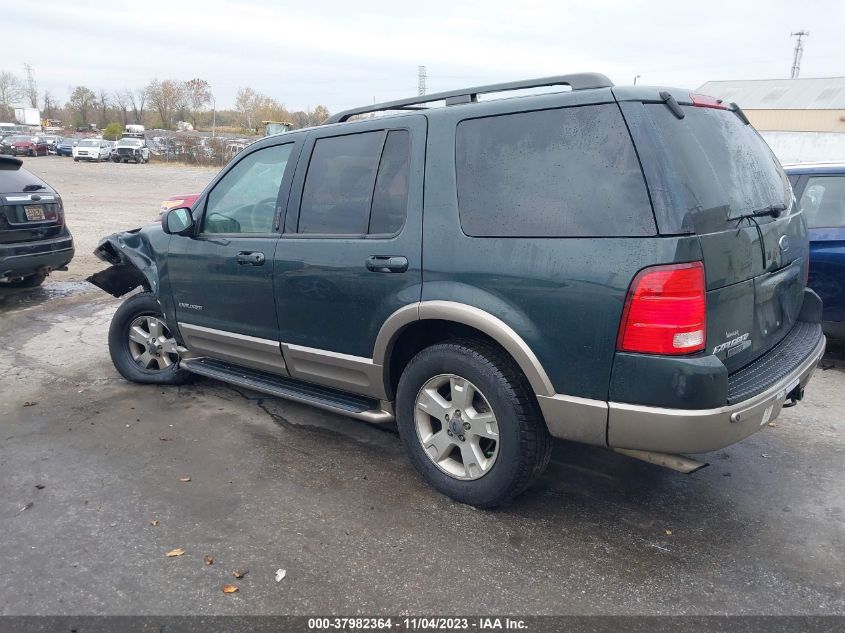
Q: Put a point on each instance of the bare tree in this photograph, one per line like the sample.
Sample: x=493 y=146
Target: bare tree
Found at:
x=123 y=102
x=103 y=102
x=11 y=91
x=167 y=97
x=49 y=105
x=198 y=96
x=31 y=87
x=137 y=100
x=254 y=107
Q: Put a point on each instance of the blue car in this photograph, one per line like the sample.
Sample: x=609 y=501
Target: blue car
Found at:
x=820 y=191
x=65 y=147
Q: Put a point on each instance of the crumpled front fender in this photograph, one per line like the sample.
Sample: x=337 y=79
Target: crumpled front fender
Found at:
x=132 y=255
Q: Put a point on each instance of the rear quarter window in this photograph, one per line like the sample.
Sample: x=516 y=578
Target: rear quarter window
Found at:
x=568 y=172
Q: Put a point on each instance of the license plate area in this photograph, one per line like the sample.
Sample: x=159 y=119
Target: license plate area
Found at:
x=34 y=212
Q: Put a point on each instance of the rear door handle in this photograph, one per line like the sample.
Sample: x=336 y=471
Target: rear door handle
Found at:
x=250 y=258
x=387 y=264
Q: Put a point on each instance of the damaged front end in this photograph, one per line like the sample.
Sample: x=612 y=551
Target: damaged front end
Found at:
x=132 y=255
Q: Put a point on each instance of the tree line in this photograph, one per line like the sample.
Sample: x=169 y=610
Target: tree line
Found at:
x=160 y=103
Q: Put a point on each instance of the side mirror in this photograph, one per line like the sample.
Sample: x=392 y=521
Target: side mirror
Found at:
x=178 y=221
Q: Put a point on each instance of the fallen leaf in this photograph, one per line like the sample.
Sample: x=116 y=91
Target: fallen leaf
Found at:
x=29 y=404
x=240 y=574
x=764 y=455
x=668 y=532
x=208 y=560
x=175 y=552
x=26 y=507
x=185 y=479
x=154 y=522
x=164 y=439
x=229 y=588
x=280 y=575
x=772 y=424
x=39 y=486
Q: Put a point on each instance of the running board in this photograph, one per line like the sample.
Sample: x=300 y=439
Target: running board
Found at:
x=326 y=398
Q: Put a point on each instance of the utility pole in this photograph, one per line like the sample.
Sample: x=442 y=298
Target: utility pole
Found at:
x=799 y=52
x=421 y=76
x=635 y=79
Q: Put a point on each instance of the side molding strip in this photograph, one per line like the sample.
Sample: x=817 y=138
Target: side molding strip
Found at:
x=238 y=348
x=342 y=371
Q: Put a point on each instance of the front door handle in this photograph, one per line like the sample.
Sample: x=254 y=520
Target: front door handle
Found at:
x=250 y=258
x=387 y=264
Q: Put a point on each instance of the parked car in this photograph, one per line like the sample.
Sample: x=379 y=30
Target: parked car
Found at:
x=179 y=200
x=131 y=149
x=34 y=239
x=52 y=142
x=6 y=143
x=820 y=190
x=26 y=145
x=619 y=266
x=65 y=147
x=95 y=149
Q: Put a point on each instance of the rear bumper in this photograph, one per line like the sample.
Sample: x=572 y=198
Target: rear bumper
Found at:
x=702 y=430
x=19 y=260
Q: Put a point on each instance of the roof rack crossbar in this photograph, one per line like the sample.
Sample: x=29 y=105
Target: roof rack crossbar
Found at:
x=577 y=81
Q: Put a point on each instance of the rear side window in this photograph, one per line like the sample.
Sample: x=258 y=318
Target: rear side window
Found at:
x=569 y=172
x=339 y=186
x=724 y=169
x=823 y=202
x=390 y=198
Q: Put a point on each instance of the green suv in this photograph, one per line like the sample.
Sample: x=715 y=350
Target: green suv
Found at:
x=618 y=266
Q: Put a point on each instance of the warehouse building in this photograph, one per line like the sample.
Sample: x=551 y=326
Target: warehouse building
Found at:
x=801 y=119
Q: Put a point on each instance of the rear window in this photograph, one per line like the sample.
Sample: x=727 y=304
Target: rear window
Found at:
x=724 y=168
x=13 y=180
x=568 y=172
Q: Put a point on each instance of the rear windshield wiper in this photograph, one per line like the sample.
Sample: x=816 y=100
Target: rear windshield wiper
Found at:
x=773 y=211
x=34 y=187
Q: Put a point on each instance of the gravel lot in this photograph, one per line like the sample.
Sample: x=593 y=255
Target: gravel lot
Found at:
x=91 y=497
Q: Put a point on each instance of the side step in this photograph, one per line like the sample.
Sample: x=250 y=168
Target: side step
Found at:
x=352 y=405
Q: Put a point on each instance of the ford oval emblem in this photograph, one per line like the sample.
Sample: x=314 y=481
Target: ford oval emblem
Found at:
x=784 y=243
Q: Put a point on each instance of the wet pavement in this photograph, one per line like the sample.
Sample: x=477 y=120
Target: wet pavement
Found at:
x=90 y=461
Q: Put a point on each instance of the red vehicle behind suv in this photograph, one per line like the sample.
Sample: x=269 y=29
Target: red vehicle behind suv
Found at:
x=28 y=145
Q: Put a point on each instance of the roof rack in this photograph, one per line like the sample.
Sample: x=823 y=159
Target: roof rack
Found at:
x=577 y=81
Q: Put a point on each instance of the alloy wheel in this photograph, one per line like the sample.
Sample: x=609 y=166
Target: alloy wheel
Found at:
x=151 y=345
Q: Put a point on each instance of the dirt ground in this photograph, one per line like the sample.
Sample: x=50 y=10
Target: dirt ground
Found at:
x=92 y=490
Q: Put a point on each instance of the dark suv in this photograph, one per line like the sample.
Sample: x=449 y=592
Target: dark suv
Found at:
x=34 y=239
x=618 y=266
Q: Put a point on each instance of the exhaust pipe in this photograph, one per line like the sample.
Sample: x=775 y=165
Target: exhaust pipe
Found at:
x=679 y=463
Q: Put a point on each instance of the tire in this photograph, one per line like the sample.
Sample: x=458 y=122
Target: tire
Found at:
x=75 y=160
x=30 y=281
x=139 y=306
x=523 y=445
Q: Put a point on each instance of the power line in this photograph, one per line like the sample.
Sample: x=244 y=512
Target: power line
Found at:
x=799 y=52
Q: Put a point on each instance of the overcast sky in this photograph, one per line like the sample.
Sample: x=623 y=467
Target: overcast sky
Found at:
x=342 y=54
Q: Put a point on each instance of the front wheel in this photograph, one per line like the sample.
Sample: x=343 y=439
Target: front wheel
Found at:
x=141 y=345
x=471 y=424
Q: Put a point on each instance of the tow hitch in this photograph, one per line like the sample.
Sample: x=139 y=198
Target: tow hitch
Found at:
x=794 y=397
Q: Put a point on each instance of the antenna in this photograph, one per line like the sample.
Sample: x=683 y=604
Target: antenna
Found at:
x=799 y=52
x=421 y=76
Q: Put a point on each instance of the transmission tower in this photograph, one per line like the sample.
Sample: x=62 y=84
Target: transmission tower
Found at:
x=421 y=76
x=799 y=52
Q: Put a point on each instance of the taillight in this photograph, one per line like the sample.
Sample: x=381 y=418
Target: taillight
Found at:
x=704 y=101
x=665 y=311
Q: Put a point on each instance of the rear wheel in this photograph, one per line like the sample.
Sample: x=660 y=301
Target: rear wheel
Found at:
x=471 y=424
x=141 y=345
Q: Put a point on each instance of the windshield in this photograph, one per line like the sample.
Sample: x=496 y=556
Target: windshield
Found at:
x=724 y=168
x=18 y=139
x=89 y=143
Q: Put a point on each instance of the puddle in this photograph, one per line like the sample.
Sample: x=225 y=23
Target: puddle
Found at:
x=11 y=298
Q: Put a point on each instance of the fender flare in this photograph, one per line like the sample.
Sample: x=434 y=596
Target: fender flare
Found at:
x=473 y=317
